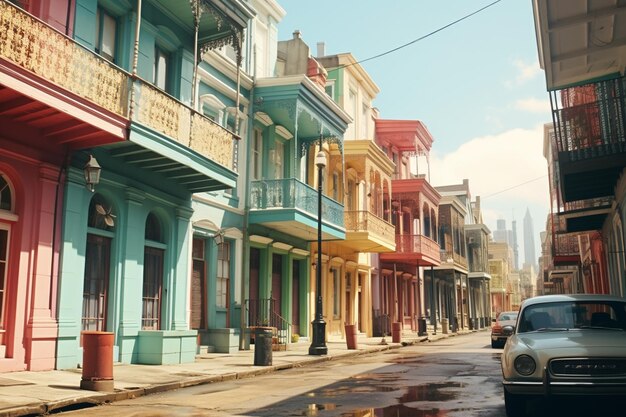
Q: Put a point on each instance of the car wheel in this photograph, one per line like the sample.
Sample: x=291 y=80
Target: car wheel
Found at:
x=515 y=405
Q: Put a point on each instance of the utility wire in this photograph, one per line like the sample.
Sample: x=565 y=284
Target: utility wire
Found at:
x=421 y=37
x=515 y=186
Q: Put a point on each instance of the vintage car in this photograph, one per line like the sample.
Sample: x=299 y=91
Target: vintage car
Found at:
x=503 y=327
x=565 y=345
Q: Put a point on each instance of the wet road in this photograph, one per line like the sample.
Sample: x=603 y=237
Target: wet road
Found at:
x=454 y=377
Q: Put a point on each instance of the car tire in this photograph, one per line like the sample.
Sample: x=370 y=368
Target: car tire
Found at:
x=515 y=405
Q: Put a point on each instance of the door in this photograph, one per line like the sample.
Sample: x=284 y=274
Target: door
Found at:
x=277 y=267
x=198 y=287
x=295 y=298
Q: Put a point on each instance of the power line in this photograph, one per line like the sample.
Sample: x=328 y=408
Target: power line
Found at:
x=421 y=37
x=515 y=186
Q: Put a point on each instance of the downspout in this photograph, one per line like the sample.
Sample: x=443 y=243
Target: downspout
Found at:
x=196 y=24
x=245 y=258
x=133 y=75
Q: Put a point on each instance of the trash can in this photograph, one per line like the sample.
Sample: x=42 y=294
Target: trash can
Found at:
x=445 y=326
x=421 y=327
x=97 y=361
x=263 y=346
x=396 y=331
x=351 y=336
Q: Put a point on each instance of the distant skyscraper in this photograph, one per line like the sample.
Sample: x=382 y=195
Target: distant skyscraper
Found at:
x=513 y=244
x=502 y=235
x=530 y=256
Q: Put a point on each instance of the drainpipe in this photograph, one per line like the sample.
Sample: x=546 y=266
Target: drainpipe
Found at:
x=135 y=60
x=245 y=258
x=196 y=24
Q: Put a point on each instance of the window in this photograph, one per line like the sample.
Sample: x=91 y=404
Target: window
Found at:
x=6 y=199
x=223 y=275
x=278 y=160
x=336 y=293
x=330 y=89
x=101 y=222
x=257 y=149
x=160 y=70
x=106 y=29
x=335 y=186
x=152 y=274
x=364 y=122
x=4 y=249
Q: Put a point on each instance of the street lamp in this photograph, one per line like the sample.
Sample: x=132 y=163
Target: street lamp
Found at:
x=318 y=343
x=91 y=171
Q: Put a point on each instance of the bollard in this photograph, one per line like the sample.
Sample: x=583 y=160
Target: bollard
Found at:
x=396 y=332
x=97 y=361
x=263 y=338
x=351 y=336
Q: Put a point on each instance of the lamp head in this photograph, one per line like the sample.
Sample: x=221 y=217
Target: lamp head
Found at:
x=320 y=159
x=92 y=173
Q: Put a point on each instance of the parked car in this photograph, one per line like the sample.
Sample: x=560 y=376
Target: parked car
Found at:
x=565 y=345
x=503 y=327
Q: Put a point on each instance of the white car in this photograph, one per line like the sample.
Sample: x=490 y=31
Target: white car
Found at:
x=565 y=345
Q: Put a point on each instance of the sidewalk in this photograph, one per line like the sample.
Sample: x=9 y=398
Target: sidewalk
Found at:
x=32 y=393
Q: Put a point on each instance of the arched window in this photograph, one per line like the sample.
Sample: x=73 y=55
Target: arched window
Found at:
x=6 y=204
x=154 y=251
x=97 y=262
x=6 y=197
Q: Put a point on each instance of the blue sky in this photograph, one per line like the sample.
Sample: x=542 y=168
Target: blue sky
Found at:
x=477 y=85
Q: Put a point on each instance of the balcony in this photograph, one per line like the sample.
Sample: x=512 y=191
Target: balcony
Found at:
x=290 y=206
x=366 y=232
x=56 y=92
x=453 y=260
x=414 y=250
x=565 y=249
x=63 y=95
x=590 y=138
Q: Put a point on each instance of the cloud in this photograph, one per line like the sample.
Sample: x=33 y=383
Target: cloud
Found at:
x=533 y=105
x=507 y=170
x=525 y=72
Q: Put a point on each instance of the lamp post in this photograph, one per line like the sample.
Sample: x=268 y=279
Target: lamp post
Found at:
x=318 y=342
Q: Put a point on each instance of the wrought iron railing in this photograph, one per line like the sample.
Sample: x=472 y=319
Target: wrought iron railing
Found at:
x=264 y=313
x=287 y=193
x=566 y=245
x=590 y=120
x=361 y=221
x=451 y=256
x=417 y=244
x=37 y=47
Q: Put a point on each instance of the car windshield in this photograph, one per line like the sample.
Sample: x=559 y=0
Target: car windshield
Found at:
x=507 y=316
x=573 y=315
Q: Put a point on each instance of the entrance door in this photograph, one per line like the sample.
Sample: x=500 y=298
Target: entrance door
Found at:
x=198 y=287
x=96 y=283
x=277 y=268
x=295 y=298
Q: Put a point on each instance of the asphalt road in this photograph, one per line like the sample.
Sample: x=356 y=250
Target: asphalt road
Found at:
x=454 y=377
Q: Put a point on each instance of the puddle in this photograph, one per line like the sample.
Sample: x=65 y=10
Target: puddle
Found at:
x=398 y=410
x=430 y=392
x=313 y=409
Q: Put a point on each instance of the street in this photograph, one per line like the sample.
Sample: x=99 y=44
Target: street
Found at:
x=454 y=377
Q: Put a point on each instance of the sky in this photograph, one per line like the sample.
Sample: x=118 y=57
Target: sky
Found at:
x=476 y=84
